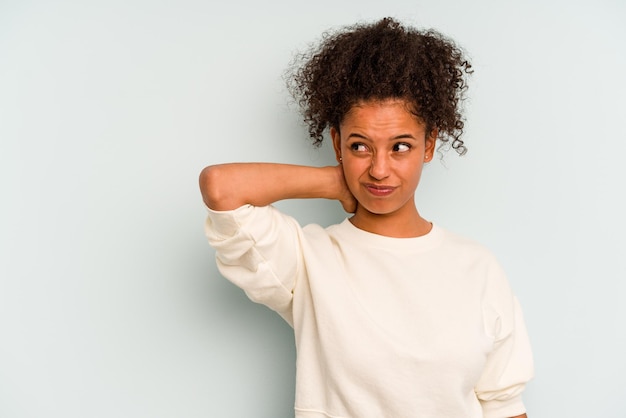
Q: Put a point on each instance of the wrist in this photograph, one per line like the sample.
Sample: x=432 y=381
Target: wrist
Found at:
x=335 y=183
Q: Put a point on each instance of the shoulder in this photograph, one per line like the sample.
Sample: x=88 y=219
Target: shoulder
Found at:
x=317 y=234
x=478 y=263
x=464 y=246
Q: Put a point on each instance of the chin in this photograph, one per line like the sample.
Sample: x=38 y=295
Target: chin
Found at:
x=378 y=209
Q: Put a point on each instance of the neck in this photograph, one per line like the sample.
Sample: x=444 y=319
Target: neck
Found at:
x=405 y=223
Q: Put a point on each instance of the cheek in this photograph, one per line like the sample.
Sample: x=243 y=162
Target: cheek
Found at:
x=348 y=172
x=352 y=172
x=415 y=173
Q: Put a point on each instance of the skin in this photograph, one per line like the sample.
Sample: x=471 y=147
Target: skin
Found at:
x=381 y=148
x=229 y=186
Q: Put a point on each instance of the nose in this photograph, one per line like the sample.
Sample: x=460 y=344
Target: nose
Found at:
x=379 y=168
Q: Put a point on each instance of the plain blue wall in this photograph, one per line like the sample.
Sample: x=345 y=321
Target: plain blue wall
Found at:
x=110 y=301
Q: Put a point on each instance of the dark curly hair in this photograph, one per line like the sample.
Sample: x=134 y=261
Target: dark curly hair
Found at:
x=380 y=61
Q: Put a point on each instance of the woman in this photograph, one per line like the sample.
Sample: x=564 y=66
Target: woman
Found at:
x=393 y=316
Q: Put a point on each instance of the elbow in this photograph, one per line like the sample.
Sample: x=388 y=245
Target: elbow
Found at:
x=210 y=186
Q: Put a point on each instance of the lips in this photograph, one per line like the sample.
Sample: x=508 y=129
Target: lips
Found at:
x=379 y=190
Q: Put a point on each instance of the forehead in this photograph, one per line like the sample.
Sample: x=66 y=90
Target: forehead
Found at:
x=382 y=114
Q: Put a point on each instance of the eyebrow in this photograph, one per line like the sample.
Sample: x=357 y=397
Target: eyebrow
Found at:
x=401 y=136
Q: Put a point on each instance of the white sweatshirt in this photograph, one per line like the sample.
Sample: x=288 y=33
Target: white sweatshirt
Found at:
x=385 y=327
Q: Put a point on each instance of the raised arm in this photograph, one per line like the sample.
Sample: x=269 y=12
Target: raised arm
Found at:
x=229 y=186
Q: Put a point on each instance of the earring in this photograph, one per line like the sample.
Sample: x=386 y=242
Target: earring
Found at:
x=340 y=160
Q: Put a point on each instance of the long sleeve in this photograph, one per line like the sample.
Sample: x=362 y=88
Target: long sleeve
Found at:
x=510 y=364
x=257 y=249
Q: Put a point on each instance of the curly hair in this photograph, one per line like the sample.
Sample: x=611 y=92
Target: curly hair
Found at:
x=380 y=61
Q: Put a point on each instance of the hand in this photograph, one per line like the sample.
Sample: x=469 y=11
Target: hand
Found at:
x=345 y=197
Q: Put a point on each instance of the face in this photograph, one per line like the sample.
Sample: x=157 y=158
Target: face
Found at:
x=382 y=148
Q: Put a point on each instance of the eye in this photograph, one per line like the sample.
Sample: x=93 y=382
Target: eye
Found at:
x=401 y=147
x=358 y=147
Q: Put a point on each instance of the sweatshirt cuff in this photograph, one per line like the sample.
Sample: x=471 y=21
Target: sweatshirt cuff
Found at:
x=503 y=409
x=224 y=224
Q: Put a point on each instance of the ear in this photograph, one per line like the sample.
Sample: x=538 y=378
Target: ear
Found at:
x=431 y=140
x=336 y=137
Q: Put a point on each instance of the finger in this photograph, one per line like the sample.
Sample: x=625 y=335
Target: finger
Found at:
x=350 y=206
